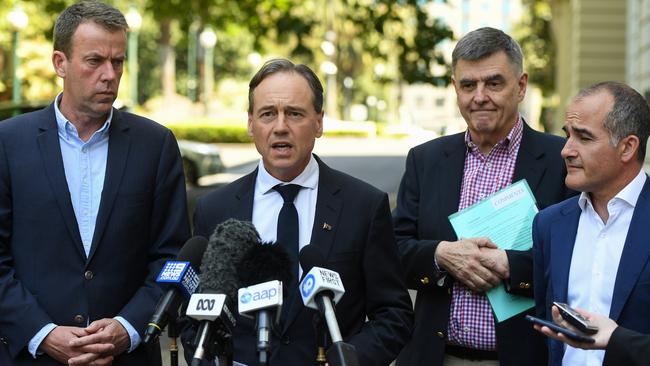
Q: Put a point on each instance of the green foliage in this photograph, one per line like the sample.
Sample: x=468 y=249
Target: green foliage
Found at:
x=536 y=39
x=400 y=35
x=210 y=133
x=344 y=133
x=237 y=133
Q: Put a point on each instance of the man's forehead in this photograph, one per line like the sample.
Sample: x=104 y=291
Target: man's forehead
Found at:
x=495 y=64
x=287 y=89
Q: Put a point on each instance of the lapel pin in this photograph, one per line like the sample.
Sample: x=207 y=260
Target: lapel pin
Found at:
x=327 y=226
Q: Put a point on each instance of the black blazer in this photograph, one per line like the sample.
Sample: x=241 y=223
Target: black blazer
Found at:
x=627 y=347
x=44 y=273
x=428 y=194
x=359 y=246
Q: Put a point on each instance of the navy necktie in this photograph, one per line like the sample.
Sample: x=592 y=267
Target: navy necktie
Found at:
x=287 y=234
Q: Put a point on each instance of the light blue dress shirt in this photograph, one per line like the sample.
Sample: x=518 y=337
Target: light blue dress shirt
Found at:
x=85 y=168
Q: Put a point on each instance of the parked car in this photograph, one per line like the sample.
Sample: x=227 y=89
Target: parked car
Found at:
x=199 y=159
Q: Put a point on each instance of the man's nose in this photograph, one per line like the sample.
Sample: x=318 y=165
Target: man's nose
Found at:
x=480 y=94
x=108 y=71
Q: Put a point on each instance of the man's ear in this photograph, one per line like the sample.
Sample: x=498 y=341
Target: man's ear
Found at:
x=59 y=61
x=250 y=125
x=628 y=148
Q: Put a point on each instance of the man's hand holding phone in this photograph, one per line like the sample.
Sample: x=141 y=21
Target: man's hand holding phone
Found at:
x=604 y=329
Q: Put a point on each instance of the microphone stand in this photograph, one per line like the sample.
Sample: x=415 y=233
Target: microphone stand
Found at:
x=321 y=339
x=172 y=332
x=340 y=353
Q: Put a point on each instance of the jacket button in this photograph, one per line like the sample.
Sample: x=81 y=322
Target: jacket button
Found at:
x=286 y=340
x=79 y=319
x=424 y=280
x=524 y=285
x=3 y=340
x=440 y=334
x=88 y=275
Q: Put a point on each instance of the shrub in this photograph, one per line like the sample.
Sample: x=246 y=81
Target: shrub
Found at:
x=210 y=133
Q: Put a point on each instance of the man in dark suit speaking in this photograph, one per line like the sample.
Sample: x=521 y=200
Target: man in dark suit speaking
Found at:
x=92 y=202
x=346 y=218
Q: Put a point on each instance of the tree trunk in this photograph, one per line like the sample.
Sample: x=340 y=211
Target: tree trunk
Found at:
x=167 y=59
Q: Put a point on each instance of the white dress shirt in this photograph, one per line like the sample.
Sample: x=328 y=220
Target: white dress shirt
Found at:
x=267 y=204
x=595 y=259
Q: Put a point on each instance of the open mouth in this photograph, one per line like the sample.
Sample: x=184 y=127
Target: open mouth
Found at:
x=281 y=146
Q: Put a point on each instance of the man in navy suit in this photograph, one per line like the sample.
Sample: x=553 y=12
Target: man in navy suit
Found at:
x=347 y=219
x=453 y=319
x=92 y=202
x=592 y=251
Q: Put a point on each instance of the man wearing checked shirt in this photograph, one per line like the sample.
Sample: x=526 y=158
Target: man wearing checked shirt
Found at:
x=454 y=324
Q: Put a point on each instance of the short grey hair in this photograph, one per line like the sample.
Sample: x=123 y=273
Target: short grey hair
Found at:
x=283 y=65
x=630 y=114
x=484 y=42
x=85 y=11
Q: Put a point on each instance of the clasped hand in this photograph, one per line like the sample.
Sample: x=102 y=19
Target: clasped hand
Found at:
x=475 y=262
x=95 y=345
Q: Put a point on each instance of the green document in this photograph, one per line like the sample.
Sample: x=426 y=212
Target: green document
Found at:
x=506 y=217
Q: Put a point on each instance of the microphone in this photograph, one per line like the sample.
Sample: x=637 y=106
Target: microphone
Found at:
x=183 y=280
x=212 y=310
x=229 y=242
x=320 y=289
x=261 y=272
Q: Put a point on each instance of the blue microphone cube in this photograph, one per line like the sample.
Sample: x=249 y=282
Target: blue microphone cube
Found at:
x=179 y=274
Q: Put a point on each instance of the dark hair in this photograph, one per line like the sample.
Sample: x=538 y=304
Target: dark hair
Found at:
x=630 y=114
x=86 y=11
x=484 y=42
x=283 y=65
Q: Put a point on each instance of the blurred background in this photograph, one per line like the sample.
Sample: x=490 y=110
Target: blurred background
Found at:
x=385 y=66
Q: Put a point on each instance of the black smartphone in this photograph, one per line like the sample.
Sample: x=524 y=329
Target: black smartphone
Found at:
x=575 y=318
x=558 y=329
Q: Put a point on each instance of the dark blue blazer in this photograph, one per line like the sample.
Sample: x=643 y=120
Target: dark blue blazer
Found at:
x=554 y=235
x=358 y=244
x=428 y=194
x=45 y=276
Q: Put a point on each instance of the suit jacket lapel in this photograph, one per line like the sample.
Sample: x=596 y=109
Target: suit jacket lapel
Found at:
x=119 y=143
x=635 y=253
x=243 y=209
x=50 y=149
x=529 y=164
x=328 y=210
x=563 y=238
x=451 y=175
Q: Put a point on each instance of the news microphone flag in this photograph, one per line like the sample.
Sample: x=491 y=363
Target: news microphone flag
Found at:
x=318 y=280
x=262 y=296
x=181 y=274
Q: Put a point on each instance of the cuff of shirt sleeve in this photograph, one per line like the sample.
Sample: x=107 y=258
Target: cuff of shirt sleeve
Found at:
x=439 y=273
x=133 y=334
x=36 y=341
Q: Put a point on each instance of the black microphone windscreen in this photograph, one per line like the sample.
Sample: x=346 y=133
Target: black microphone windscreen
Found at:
x=311 y=256
x=264 y=262
x=192 y=251
x=227 y=245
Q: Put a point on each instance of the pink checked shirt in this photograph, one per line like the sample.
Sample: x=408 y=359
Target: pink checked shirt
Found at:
x=471 y=323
